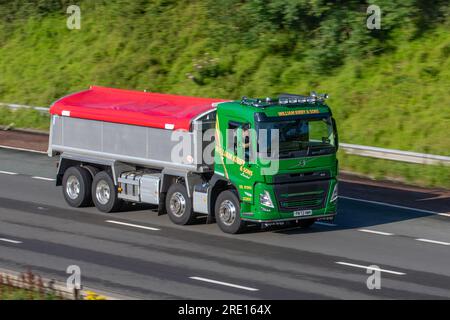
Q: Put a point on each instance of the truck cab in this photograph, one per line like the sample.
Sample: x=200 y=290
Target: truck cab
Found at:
x=279 y=154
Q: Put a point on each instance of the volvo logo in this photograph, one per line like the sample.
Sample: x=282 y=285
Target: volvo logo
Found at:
x=302 y=163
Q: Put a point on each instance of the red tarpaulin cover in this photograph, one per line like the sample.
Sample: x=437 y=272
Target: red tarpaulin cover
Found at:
x=133 y=107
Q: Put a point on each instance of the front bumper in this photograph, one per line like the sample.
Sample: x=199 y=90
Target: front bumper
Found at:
x=329 y=215
x=260 y=213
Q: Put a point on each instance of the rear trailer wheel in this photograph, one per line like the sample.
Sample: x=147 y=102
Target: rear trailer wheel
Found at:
x=228 y=213
x=104 y=193
x=179 y=205
x=76 y=186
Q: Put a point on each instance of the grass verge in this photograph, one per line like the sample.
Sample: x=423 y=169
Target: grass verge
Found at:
x=12 y=293
x=24 y=119
x=431 y=176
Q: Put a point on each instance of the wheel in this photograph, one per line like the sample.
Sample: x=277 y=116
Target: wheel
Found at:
x=228 y=212
x=306 y=223
x=77 y=187
x=179 y=205
x=104 y=193
x=92 y=170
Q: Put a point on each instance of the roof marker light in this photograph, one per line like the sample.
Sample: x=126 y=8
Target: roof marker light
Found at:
x=284 y=99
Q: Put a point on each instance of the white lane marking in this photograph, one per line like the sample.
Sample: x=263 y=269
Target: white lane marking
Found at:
x=10 y=241
x=223 y=283
x=7 y=172
x=132 y=225
x=376 y=232
x=396 y=206
x=43 y=178
x=434 y=241
x=22 y=149
x=326 y=224
x=370 y=268
x=444 y=214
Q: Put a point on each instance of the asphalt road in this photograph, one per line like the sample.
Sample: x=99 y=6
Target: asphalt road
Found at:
x=393 y=228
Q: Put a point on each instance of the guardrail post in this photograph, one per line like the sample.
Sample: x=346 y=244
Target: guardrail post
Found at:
x=77 y=293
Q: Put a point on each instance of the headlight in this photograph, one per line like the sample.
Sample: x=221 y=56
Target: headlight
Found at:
x=265 y=200
x=334 y=195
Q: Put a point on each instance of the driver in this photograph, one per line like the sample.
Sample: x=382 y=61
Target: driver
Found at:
x=246 y=136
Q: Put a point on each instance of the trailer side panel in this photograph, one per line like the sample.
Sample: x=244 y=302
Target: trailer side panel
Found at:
x=144 y=146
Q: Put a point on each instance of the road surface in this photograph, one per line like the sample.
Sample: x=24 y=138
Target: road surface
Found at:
x=139 y=254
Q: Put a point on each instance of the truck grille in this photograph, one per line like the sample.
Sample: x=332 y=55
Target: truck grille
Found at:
x=303 y=200
x=299 y=196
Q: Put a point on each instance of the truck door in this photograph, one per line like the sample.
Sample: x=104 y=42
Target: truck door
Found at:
x=241 y=173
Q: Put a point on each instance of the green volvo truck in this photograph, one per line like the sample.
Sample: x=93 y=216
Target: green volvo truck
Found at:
x=272 y=160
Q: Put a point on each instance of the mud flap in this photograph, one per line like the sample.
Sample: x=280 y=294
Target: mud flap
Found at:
x=162 y=204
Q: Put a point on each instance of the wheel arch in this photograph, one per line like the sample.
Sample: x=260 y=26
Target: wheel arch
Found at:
x=93 y=165
x=217 y=185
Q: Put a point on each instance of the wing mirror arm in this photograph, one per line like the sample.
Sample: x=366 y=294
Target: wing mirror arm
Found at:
x=335 y=133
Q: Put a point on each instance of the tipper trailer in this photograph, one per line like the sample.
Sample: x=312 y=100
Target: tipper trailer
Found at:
x=266 y=161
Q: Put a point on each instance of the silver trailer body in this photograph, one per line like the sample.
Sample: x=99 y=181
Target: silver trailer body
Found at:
x=129 y=144
x=140 y=158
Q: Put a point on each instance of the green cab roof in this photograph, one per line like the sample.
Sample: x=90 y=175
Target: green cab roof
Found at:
x=247 y=108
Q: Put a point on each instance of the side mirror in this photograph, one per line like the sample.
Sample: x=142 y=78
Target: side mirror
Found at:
x=335 y=133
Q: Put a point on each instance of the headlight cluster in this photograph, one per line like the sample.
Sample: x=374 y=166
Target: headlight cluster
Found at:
x=334 y=195
x=265 y=200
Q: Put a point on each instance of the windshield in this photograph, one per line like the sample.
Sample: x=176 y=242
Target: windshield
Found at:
x=297 y=138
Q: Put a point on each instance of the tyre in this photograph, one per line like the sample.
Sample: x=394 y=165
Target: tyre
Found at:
x=179 y=205
x=227 y=211
x=306 y=223
x=104 y=193
x=76 y=187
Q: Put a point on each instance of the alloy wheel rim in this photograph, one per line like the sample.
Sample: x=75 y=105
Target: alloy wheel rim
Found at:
x=227 y=212
x=177 y=204
x=103 y=192
x=73 y=187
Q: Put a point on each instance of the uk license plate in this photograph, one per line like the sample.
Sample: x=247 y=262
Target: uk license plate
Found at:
x=302 y=213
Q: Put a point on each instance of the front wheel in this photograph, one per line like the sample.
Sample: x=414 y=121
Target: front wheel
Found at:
x=228 y=213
